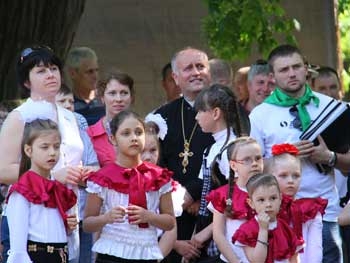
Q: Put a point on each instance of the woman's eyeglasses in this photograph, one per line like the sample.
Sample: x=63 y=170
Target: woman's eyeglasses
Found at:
x=296 y=123
x=30 y=50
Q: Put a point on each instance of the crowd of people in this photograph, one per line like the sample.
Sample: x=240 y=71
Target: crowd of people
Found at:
x=217 y=173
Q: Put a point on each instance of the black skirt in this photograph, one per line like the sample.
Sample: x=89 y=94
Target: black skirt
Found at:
x=47 y=252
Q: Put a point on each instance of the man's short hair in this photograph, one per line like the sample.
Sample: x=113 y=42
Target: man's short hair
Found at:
x=326 y=71
x=260 y=67
x=165 y=70
x=219 y=70
x=77 y=54
x=282 y=51
x=174 y=58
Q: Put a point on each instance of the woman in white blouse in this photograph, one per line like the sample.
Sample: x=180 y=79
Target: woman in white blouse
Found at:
x=39 y=74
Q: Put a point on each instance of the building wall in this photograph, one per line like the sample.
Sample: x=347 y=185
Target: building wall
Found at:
x=139 y=37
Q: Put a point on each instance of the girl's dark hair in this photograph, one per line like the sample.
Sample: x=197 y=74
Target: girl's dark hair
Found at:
x=152 y=129
x=263 y=179
x=220 y=96
x=31 y=57
x=232 y=149
x=32 y=130
x=121 y=77
x=121 y=116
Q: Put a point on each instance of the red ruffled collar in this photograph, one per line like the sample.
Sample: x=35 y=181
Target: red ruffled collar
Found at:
x=299 y=211
x=283 y=243
x=116 y=177
x=133 y=181
x=50 y=193
x=240 y=207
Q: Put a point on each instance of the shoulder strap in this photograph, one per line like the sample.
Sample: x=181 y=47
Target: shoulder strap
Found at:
x=207 y=150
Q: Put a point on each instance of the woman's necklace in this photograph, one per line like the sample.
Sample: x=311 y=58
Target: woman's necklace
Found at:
x=186 y=152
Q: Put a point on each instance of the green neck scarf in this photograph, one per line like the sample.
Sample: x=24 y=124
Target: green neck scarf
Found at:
x=278 y=97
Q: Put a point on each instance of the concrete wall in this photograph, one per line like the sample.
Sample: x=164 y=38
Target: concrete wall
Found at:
x=140 y=36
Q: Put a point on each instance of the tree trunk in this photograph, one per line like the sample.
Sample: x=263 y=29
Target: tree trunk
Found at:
x=34 y=22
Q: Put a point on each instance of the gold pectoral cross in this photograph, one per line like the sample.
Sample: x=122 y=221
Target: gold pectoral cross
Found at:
x=185 y=155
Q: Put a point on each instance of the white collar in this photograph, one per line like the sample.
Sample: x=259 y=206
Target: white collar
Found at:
x=220 y=134
x=191 y=102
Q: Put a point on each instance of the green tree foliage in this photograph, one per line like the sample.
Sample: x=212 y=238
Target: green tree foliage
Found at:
x=234 y=27
x=343 y=6
x=344 y=27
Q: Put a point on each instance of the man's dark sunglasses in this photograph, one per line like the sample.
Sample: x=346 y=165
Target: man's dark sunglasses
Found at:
x=296 y=123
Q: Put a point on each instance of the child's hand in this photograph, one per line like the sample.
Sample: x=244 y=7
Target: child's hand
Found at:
x=72 y=223
x=197 y=240
x=263 y=220
x=86 y=171
x=186 y=249
x=68 y=175
x=73 y=175
x=137 y=214
x=115 y=215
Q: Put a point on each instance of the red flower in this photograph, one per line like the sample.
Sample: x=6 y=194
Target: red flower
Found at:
x=278 y=149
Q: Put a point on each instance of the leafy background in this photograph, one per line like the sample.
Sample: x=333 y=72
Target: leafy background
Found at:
x=236 y=28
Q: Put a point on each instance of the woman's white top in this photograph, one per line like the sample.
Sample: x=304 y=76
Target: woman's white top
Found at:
x=123 y=239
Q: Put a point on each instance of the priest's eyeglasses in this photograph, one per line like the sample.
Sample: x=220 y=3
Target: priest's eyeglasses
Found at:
x=249 y=160
x=296 y=123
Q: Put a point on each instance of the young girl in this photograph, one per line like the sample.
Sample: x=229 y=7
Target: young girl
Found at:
x=154 y=131
x=228 y=202
x=150 y=152
x=218 y=114
x=37 y=206
x=266 y=238
x=124 y=198
x=303 y=215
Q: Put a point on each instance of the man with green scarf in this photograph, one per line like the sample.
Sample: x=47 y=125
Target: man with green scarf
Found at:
x=281 y=118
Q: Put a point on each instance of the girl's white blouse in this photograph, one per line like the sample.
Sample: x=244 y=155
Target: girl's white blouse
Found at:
x=123 y=239
x=32 y=222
